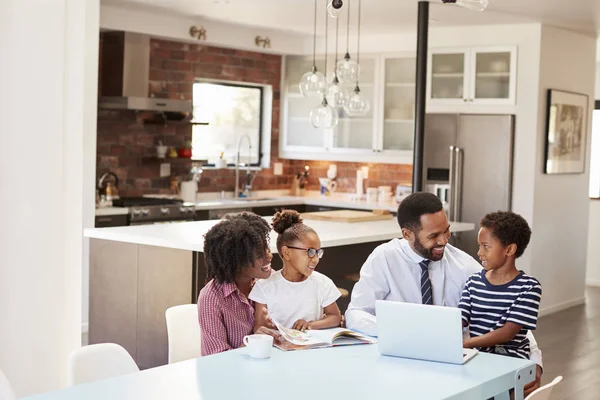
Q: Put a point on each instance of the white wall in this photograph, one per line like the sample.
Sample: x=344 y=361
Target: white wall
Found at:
x=48 y=77
x=217 y=33
x=593 y=261
x=561 y=204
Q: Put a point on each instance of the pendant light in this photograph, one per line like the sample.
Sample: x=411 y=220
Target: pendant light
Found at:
x=475 y=5
x=357 y=105
x=324 y=115
x=347 y=70
x=336 y=95
x=312 y=83
x=334 y=8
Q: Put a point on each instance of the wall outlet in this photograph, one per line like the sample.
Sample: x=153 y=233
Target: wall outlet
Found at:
x=165 y=170
x=277 y=168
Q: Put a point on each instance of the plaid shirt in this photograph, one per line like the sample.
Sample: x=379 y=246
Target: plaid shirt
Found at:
x=225 y=316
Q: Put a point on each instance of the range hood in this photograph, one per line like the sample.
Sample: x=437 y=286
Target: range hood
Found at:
x=125 y=72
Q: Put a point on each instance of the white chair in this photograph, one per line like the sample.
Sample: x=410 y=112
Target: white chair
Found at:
x=543 y=393
x=99 y=361
x=183 y=332
x=6 y=391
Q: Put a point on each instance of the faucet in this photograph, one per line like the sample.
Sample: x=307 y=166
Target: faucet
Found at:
x=237 y=192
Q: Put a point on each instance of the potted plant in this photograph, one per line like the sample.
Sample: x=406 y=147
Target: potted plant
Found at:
x=185 y=151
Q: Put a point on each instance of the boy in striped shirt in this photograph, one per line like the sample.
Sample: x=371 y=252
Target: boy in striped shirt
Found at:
x=500 y=303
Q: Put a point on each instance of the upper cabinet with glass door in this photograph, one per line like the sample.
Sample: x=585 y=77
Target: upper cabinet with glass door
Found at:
x=398 y=111
x=485 y=75
x=493 y=80
x=299 y=135
x=355 y=133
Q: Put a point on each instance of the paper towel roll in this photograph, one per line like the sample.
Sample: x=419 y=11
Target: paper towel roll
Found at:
x=188 y=191
x=359 y=182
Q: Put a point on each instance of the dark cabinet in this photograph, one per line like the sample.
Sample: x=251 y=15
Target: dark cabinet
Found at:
x=269 y=211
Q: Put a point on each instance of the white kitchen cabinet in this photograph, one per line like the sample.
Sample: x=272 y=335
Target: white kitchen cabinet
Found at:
x=476 y=75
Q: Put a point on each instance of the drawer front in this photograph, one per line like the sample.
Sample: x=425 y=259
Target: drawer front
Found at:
x=106 y=221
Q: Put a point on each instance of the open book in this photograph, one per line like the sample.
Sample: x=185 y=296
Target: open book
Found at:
x=312 y=339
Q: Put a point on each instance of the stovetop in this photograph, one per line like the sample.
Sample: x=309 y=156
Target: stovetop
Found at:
x=144 y=202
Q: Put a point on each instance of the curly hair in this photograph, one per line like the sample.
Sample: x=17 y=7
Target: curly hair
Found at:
x=290 y=227
x=508 y=228
x=414 y=206
x=235 y=243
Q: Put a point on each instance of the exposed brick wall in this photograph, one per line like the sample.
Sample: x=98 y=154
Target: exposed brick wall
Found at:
x=128 y=148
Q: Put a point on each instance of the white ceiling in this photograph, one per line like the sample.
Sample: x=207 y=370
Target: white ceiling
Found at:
x=382 y=16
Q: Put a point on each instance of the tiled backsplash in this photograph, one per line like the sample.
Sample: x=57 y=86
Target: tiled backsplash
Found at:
x=128 y=148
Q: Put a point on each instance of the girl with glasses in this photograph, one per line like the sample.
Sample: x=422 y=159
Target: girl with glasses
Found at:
x=296 y=296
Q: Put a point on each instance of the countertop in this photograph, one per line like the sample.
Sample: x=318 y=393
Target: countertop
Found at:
x=341 y=200
x=189 y=235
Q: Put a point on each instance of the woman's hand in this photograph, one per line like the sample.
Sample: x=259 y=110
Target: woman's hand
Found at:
x=268 y=321
x=301 y=325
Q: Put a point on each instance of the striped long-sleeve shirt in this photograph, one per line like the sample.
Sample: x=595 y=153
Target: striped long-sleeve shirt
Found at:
x=486 y=307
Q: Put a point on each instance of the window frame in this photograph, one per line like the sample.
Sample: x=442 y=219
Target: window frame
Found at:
x=246 y=85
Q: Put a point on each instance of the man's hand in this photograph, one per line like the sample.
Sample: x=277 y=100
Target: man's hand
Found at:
x=530 y=387
x=300 y=325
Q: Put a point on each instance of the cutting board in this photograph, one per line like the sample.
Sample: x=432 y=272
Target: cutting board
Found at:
x=346 y=216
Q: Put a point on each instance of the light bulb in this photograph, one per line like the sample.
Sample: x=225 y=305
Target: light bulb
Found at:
x=475 y=5
x=336 y=95
x=334 y=8
x=357 y=105
x=347 y=70
x=312 y=83
x=324 y=116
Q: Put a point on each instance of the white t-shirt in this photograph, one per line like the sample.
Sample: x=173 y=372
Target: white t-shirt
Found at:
x=288 y=302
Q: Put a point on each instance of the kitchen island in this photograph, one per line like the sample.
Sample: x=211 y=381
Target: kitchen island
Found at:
x=137 y=272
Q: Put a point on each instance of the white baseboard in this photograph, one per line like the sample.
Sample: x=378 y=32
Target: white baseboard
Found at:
x=562 y=306
x=591 y=282
x=85 y=327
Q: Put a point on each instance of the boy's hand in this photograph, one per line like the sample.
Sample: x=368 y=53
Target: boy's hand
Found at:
x=531 y=386
x=300 y=325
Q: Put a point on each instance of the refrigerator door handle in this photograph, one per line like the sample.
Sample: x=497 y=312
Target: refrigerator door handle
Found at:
x=451 y=188
x=458 y=183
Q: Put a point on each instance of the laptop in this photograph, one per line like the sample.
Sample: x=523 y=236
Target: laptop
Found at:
x=422 y=332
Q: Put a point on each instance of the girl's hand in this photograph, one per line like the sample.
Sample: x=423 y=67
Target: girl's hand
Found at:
x=300 y=325
x=268 y=321
x=276 y=336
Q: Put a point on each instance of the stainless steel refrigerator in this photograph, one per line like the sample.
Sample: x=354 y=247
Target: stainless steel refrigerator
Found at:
x=468 y=163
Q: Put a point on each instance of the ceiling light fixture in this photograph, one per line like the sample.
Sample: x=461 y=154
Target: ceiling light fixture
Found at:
x=334 y=8
x=475 y=5
x=312 y=83
x=336 y=96
x=324 y=115
x=347 y=70
x=357 y=105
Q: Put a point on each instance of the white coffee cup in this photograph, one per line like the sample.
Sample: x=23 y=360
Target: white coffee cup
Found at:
x=259 y=346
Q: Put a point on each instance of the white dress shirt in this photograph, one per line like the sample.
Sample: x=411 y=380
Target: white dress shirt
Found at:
x=392 y=272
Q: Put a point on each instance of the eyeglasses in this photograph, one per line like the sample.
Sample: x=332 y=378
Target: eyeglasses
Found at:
x=310 y=251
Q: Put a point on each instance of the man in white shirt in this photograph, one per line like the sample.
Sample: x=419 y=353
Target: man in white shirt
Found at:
x=420 y=268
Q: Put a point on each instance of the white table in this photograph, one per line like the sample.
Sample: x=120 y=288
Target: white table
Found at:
x=345 y=373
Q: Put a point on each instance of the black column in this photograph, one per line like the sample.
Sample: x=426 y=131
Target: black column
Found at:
x=420 y=93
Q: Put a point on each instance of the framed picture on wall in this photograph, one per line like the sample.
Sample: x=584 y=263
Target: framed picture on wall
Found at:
x=566 y=132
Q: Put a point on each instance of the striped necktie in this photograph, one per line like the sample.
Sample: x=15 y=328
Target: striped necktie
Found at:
x=426 y=291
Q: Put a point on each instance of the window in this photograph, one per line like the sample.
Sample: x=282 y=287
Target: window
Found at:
x=232 y=110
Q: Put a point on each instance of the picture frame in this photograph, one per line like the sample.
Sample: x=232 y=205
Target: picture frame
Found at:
x=566 y=132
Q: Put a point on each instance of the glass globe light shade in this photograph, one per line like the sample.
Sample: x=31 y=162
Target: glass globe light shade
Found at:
x=347 y=70
x=334 y=8
x=312 y=83
x=324 y=116
x=357 y=105
x=336 y=95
